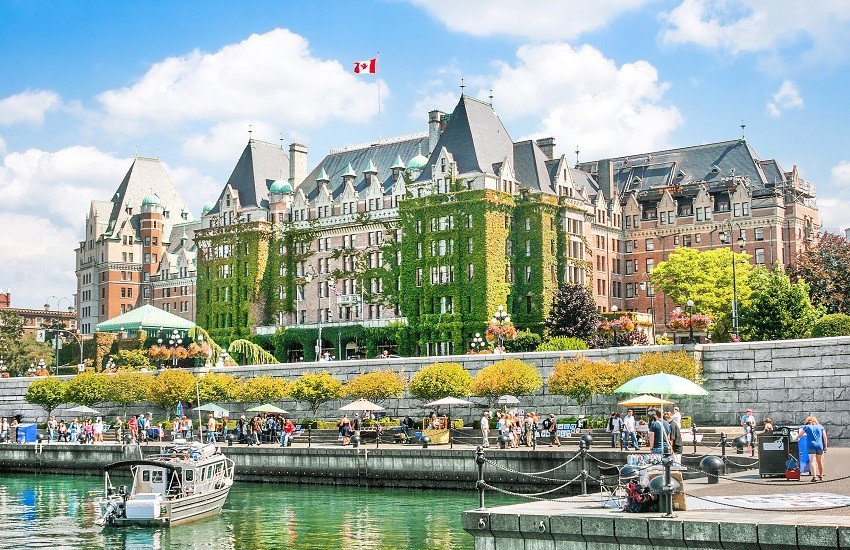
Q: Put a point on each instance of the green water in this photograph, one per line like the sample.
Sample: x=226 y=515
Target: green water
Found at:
x=58 y=512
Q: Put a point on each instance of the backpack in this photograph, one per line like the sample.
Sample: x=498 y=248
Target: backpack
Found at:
x=639 y=498
x=547 y=424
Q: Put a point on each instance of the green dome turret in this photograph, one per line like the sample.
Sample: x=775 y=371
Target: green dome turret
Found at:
x=419 y=162
x=151 y=200
x=280 y=187
x=207 y=207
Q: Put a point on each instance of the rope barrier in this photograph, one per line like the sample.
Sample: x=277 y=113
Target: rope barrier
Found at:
x=506 y=469
x=535 y=496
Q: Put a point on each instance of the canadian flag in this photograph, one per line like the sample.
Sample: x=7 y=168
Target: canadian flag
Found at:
x=362 y=67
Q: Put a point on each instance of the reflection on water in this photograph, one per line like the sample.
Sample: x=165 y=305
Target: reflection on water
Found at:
x=59 y=512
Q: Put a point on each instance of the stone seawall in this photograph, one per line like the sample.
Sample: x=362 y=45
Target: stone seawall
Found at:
x=786 y=380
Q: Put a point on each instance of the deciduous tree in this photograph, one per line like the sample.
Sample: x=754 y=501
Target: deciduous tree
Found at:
x=315 y=388
x=777 y=308
x=262 y=389
x=506 y=377
x=440 y=380
x=581 y=378
x=216 y=386
x=127 y=387
x=89 y=389
x=826 y=268
x=47 y=393
x=573 y=313
x=170 y=387
x=377 y=386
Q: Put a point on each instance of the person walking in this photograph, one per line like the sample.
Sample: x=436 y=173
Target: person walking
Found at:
x=630 y=427
x=485 y=428
x=748 y=423
x=817 y=445
x=676 y=417
x=675 y=438
x=616 y=425
x=550 y=425
x=658 y=440
x=288 y=430
x=211 y=428
x=52 y=425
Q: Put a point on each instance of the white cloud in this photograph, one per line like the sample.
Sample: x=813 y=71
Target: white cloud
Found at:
x=2 y=146
x=554 y=20
x=27 y=107
x=787 y=97
x=757 y=26
x=38 y=261
x=586 y=99
x=834 y=209
x=224 y=142
x=271 y=77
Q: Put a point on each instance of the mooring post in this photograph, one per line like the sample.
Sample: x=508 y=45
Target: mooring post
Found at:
x=723 y=449
x=479 y=461
x=582 y=450
x=668 y=482
x=694 y=432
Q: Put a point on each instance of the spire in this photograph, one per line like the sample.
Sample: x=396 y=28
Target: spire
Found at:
x=743 y=127
x=370 y=168
x=397 y=163
x=577 y=152
x=323 y=176
x=349 y=172
x=461 y=87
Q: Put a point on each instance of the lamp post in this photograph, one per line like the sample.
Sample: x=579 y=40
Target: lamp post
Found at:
x=691 y=339
x=174 y=342
x=646 y=287
x=477 y=343
x=726 y=238
x=40 y=366
x=57 y=325
x=309 y=276
x=500 y=319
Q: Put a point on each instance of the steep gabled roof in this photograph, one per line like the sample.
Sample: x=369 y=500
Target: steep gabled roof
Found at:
x=261 y=163
x=476 y=138
x=530 y=167
x=145 y=176
x=382 y=155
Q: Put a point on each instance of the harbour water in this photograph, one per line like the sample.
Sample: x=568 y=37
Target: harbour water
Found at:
x=58 y=512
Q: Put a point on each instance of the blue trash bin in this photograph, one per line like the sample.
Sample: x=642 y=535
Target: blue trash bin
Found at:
x=27 y=433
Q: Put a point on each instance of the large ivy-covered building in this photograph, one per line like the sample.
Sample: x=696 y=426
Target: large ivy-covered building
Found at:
x=412 y=243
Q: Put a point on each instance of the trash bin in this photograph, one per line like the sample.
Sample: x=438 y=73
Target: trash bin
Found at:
x=27 y=433
x=774 y=451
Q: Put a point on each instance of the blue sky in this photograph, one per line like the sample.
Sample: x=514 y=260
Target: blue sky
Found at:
x=86 y=86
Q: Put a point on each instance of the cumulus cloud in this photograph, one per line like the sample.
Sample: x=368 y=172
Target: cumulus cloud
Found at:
x=27 y=107
x=587 y=99
x=787 y=97
x=841 y=172
x=271 y=77
x=756 y=26
x=833 y=209
x=555 y=20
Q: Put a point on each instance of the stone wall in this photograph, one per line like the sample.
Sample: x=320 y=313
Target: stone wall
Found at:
x=786 y=380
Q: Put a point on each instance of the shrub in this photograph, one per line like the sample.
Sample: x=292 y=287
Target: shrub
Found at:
x=582 y=378
x=562 y=343
x=508 y=376
x=835 y=324
x=525 y=341
x=679 y=363
x=376 y=386
x=440 y=380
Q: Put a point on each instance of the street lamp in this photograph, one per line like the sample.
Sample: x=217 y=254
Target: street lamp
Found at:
x=309 y=276
x=500 y=319
x=477 y=342
x=614 y=310
x=691 y=339
x=40 y=366
x=726 y=238
x=174 y=342
x=644 y=286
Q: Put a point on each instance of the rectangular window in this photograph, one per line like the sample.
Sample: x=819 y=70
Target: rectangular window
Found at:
x=527 y=274
x=469 y=272
x=630 y=267
x=759 y=233
x=418 y=276
x=670 y=220
x=527 y=248
x=628 y=222
x=698 y=237
x=760 y=256
x=649 y=244
x=745 y=208
x=630 y=246
x=686 y=240
x=675 y=240
x=699 y=214
x=630 y=290
x=650 y=265
x=736 y=209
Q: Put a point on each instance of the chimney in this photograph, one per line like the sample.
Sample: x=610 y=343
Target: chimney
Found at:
x=547 y=145
x=435 y=128
x=606 y=178
x=297 y=163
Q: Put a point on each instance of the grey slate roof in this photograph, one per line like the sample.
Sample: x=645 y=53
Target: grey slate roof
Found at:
x=261 y=163
x=530 y=167
x=382 y=155
x=146 y=176
x=475 y=136
x=700 y=163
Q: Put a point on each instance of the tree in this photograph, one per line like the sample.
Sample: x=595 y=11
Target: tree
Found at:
x=171 y=386
x=826 y=268
x=220 y=387
x=562 y=343
x=47 y=393
x=439 y=380
x=777 y=308
x=249 y=353
x=581 y=378
x=89 y=389
x=835 y=324
x=11 y=328
x=506 y=377
x=129 y=387
x=262 y=389
x=315 y=388
x=679 y=363
x=132 y=359
x=524 y=341
x=573 y=313
x=706 y=278
x=24 y=352
x=377 y=386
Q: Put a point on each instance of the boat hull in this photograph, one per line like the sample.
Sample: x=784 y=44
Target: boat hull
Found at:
x=181 y=510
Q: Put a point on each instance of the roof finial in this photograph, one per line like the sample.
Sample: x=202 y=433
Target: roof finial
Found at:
x=137 y=151
x=461 y=87
x=157 y=152
x=281 y=140
x=743 y=126
x=491 y=97
x=250 y=132
x=577 y=152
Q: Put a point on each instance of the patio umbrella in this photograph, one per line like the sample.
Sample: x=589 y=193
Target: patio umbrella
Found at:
x=507 y=400
x=82 y=409
x=213 y=408
x=361 y=405
x=267 y=408
x=448 y=402
x=644 y=400
x=662 y=383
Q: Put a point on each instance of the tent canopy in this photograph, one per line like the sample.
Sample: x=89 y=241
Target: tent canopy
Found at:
x=361 y=405
x=267 y=408
x=146 y=317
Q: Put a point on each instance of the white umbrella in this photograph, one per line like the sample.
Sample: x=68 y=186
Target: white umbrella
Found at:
x=361 y=405
x=507 y=400
x=448 y=402
x=82 y=409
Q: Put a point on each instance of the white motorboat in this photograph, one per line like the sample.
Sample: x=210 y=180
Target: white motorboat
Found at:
x=184 y=482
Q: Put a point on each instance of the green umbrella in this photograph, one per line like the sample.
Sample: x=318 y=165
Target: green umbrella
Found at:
x=663 y=383
x=267 y=409
x=213 y=408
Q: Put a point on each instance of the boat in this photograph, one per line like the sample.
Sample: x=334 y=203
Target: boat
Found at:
x=184 y=482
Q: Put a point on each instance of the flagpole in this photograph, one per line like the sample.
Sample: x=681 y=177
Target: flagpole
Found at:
x=378 y=80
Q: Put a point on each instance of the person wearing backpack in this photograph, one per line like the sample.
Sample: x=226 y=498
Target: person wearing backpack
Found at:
x=550 y=425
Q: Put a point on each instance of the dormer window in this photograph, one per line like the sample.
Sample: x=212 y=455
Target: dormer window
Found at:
x=715 y=169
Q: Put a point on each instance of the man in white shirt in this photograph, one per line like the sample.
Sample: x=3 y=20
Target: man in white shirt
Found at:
x=485 y=428
x=677 y=417
x=631 y=434
x=748 y=423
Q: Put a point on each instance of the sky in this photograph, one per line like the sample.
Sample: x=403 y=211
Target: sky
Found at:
x=87 y=86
